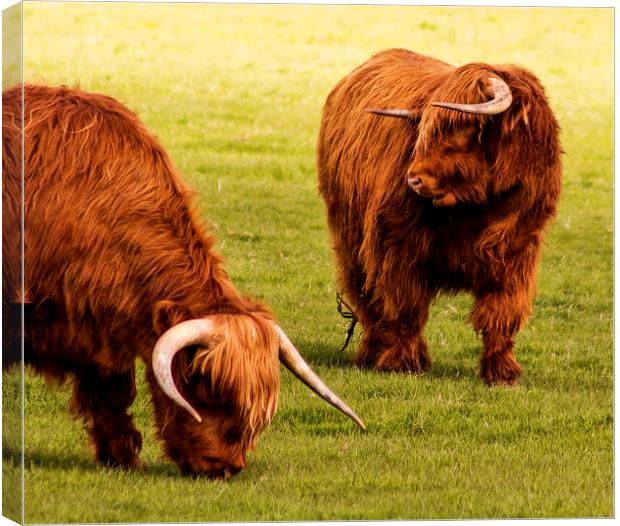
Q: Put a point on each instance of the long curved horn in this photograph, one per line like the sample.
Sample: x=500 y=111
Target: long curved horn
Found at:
x=184 y=334
x=400 y=114
x=502 y=99
x=294 y=362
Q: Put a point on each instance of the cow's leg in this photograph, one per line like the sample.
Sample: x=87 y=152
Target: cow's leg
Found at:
x=498 y=316
x=102 y=399
x=395 y=345
x=392 y=337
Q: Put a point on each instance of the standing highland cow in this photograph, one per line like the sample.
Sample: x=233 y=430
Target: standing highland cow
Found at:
x=116 y=266
x=438 y=178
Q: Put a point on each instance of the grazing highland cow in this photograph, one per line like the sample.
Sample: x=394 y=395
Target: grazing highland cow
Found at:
x=438 y=178
x=117 y=266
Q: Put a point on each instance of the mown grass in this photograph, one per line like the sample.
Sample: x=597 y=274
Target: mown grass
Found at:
x=235 y=94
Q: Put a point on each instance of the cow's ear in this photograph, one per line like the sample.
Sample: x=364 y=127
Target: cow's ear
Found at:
x=167 y=314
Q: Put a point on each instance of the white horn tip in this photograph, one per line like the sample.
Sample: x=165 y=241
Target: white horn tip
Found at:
x=295 y=363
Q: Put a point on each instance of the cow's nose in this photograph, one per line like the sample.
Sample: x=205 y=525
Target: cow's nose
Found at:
x=415 y=180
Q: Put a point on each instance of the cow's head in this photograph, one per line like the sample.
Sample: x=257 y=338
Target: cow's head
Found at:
x=471 y=147
x=222 y=389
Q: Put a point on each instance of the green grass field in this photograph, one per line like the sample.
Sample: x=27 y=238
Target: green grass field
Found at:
x=235 y=95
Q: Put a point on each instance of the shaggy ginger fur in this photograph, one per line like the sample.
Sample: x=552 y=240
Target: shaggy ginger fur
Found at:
x=441 y=201
x=115 y=256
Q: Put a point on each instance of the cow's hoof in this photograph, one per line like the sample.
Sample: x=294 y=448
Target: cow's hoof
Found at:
x=500 y=369
x=413 y=358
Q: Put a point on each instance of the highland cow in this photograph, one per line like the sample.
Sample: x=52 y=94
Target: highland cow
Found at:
x=438 y=179
x=116 y=266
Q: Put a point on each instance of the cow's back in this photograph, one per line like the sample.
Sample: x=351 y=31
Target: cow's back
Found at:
x=106 y=222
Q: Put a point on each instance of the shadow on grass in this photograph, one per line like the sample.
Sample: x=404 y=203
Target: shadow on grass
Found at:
x=453 y=371
x=70 y=461
x=64 y=461
x=327 y=355
x=11 y=455
x=164 y=469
